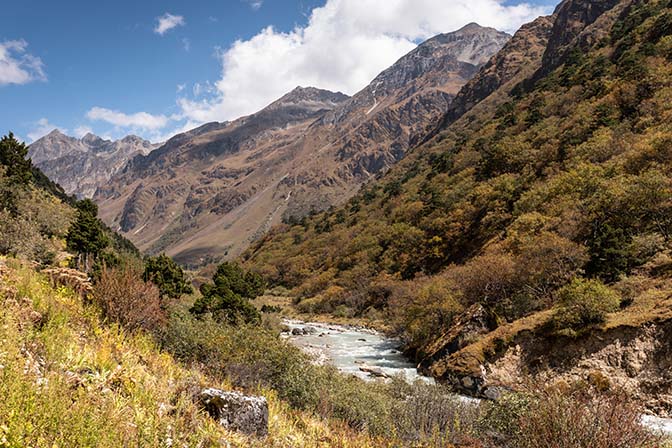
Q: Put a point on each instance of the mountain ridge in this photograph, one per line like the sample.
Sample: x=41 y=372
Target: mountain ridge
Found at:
x=239 y=179
x=80 y=166
x=515 y=230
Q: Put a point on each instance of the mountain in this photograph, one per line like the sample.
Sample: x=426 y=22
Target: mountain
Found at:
x=528 y=239
x=209 y=193
x=80 y=166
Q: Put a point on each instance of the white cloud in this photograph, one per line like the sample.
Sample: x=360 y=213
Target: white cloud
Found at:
x=345 y=44
x=167 y=22
x=81 y=131
x=17 y=66
x=41 y=128
x=138 y=121
x=255 y=4
x=186 y=44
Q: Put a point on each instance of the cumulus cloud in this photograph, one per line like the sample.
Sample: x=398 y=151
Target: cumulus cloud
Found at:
x=81 y=131
x=138 y=121
x=41 y=128
x=17 y=66
x=167 y=22
x=344 y=45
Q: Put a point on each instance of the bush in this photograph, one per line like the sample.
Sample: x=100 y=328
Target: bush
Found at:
x=250 y=356
x=124 y=297
x=584 y=302
x=567 y=419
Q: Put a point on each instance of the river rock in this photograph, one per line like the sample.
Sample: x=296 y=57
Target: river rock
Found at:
x=297 y=332
x=467 y=382
x=236 y=411
x=374 y=371
x=493 y=392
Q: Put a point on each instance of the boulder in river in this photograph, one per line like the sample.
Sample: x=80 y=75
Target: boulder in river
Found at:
x=236 y=411
x=374 y=371
x=296 y=332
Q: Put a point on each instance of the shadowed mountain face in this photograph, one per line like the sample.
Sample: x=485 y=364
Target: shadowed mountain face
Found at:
x=209 y=193
x=80 y=166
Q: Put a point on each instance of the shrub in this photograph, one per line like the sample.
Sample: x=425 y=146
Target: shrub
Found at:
x=584 y=302
x=432 y=412
x=124 y=297
x=568 y=419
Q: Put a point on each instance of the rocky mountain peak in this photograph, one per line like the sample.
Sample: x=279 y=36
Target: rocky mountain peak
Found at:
x=81 y=165
x=310 y=97
x=56 y=133
x=472 y=44
x=92 y=140
x=133 y=139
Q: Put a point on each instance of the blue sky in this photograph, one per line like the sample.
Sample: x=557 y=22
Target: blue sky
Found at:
x=154 y=68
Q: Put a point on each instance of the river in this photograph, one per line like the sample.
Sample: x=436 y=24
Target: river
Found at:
x=370 y=355
x=357 y=351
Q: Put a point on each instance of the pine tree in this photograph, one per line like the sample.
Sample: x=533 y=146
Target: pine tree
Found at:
x=13 y=156
x=86 y=236
x=167 y=275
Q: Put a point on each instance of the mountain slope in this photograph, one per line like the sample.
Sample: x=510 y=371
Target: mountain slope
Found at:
x=80 y=166
x=513 y=229
x=209 y=193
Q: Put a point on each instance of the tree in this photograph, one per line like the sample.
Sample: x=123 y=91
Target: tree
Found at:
x=86 y=236
x=13 y=156
x=167 y=275
x=228 y=297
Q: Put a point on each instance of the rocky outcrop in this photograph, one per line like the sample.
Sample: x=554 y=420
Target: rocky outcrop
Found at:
x=637 y=360
x=236 y=411
x=572 y=18
x=209 y=193
x=473 y=323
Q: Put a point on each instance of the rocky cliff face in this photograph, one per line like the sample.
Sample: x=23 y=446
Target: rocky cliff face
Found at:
x=80 y=166
x=518 y=59
x=208 y=193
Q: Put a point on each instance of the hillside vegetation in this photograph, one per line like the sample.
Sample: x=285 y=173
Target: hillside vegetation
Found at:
x=548 y=206
x=118 y=357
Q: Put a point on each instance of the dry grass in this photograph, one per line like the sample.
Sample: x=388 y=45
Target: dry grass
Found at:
x=67 y=379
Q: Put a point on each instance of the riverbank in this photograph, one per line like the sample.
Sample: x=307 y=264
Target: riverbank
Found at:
x=369 y=355
x=285 y=308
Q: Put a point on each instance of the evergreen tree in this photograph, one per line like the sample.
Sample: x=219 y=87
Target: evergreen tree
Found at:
x=167 y=275
x=228 y=298
x=86 y=236
x=13 y=156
